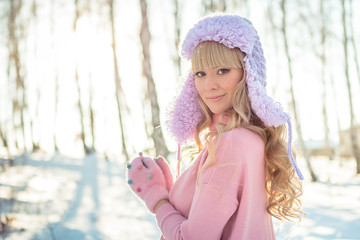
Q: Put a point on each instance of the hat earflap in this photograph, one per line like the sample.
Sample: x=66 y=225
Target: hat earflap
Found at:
x=185 y=112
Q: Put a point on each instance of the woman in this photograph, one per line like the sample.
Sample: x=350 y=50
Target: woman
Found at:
x=244 y=173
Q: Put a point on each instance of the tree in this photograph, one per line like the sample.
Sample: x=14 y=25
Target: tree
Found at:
x=16 y=33
x=92 y=114
x=35 y=116
x=289 y=62
x=56 y=74
x=354 y=141
x=177 y=21
x=118 y=91
x=323 y=59
x=352 y=40
x=213 y=6
x=145 y=37
x=77 y=81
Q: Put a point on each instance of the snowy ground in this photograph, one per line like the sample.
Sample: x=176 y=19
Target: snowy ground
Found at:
x=57 y=197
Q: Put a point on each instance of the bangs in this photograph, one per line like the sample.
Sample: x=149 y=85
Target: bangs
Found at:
x=212 y=54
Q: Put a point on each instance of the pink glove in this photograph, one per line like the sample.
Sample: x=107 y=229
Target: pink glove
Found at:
x=147 y=180
x=166 y=171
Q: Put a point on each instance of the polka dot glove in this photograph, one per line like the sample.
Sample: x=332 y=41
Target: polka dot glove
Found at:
x=147 y=180
x=166 y=171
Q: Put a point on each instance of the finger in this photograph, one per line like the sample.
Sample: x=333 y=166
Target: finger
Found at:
x=166 y=171
x=149 y=162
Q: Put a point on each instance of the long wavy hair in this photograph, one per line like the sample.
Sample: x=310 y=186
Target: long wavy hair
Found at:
x=283 y=187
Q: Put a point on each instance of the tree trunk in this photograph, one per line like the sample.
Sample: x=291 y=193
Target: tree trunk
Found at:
x=56 y=89
x=324 y=93
x=157 y=135
x=118 y=90
x=354 y=142
x=222 y=6
x=270 y=16
x=91 y=110
x=19 y=102
x=4 y=140
x=336 y=111
x=77 y=81
x=177 y=21
x=35 y=144
x=34 y=119
x=298 y=126
x=352 y=39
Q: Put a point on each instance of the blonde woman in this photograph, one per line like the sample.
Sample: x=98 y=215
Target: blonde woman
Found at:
x=244 y=173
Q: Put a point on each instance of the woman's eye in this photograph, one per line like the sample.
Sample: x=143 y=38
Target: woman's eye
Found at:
x=200 y=74
x=223 y=71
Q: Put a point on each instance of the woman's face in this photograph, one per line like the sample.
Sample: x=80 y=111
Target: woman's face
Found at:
x=216 y=87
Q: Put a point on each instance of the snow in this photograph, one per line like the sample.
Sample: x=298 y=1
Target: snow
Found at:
x=60 y=197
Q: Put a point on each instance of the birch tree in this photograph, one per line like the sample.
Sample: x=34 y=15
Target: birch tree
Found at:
x=323 y=59
x=92 y=114
x=293 y=101
x=354 y=141
x=118 y=90
x=77 y=81
x=16 y=32
x=145 y=37
x=274 y=30
x=35 y=117
x=214 y=5
x=177 y=21
x=352 y=40
x=56 y=74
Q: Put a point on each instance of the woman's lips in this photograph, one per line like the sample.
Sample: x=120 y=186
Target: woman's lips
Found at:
x=215 y=98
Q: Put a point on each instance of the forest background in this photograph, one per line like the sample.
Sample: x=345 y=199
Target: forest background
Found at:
x=85 y=76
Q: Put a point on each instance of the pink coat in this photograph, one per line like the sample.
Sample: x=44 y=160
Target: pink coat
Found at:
x=228 y=202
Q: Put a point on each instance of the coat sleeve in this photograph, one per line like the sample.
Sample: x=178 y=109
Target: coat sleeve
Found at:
x=216 y=196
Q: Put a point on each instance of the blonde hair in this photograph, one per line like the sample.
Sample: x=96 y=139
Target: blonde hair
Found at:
x=283 y=188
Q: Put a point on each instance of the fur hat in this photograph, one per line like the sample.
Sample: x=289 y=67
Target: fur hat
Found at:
x=234 y=32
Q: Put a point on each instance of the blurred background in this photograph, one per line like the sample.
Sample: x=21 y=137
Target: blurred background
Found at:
x=85 y=85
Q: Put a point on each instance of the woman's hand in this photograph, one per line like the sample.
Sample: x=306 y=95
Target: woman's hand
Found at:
x=166 y=171
x=147 y=179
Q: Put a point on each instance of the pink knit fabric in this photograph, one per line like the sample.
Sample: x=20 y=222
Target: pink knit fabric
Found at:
x=229 y=199
x=147 y=180
x=169 y=180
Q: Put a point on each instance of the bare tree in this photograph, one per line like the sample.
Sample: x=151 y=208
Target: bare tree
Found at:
x=56 y=74
x=323 y=59
x=35 y=145
x=352 y=40
x=4 y=141
x=92 y=117
x=222 y=5
x=293 y=101
x=16 y=32
x=354 y=141
x=177 y=21
x=336 y=110
x=213 y=6
x=77 y=81
x=35 y=117
x=118 y=92
x=145 y=37
x=321 y=54
x=274 y=30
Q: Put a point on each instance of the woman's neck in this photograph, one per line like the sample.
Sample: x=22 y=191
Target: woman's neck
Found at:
x=223 y=118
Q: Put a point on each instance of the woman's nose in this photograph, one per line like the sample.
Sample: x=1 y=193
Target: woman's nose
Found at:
x=211 y=83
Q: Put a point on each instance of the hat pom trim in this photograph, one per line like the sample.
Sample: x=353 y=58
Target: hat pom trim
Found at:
x=185 y=113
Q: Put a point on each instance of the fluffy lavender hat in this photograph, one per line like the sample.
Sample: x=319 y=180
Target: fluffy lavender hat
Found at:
x=234 y=32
